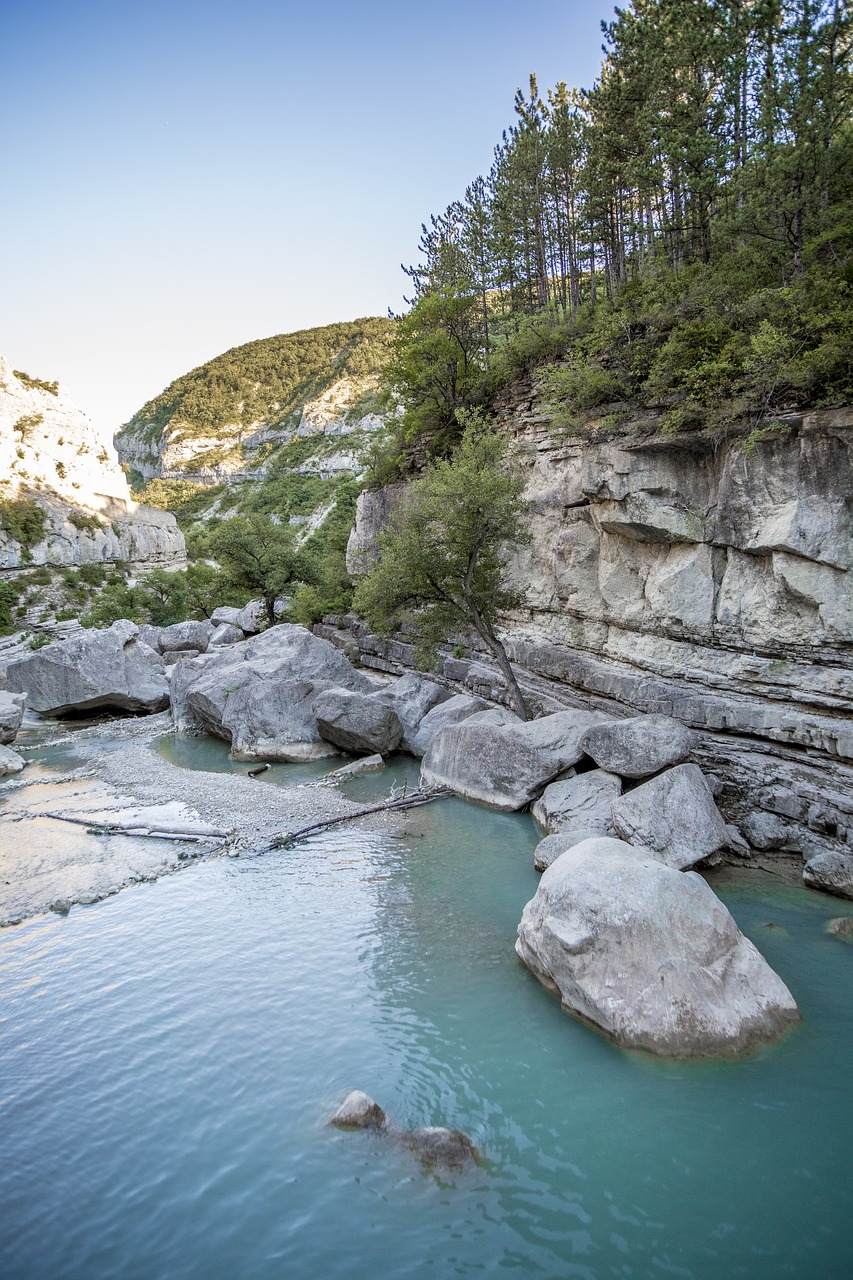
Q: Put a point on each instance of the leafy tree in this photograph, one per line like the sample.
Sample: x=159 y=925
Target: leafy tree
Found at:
x=443 y=561
x=259 y=555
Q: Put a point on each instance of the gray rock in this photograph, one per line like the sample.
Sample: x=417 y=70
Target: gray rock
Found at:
x=841 y=927
x=492 y=764
x=649 y=955
x=766 y=830
x=181 y=677
x=495 y=716
x=411 y=697
x=831 y=872
x=252 y=618
x=11 y=715
x=736 y=842
x=225 y=613
x=357 y=721
x=456 y=709
x=185 y=635
x=10 y=762
x=358 y=1111
x=151 y=636
x=549 y=849
x=674 y=815
x=365 y=764
x=224 y=633
x=171 y=656
x=445 y=1147
x=259 y=695
x=563 y=734
x=640 y=746
x=95 y=671
x=583 y=802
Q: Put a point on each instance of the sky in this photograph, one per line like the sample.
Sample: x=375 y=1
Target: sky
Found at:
x=180 y=178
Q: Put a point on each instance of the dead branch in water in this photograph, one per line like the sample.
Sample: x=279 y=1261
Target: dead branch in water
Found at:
x=395 y=805
x=149 y=833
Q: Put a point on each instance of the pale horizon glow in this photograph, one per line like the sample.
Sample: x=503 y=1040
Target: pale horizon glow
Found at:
x=187 y=177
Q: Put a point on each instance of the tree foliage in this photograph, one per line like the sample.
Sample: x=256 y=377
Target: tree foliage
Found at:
x=443 y=561
x=260 y=556
x=680 y=234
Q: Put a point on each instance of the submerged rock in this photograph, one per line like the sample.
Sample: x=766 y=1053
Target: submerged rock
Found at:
x=674 y=815
x=435 y=1146
x=109 y=670
x=11 y=715
x=358 y=1111
x=365 y=764
x=841 y=927
x=640 y=746
x=649 y=955
x=831 y=872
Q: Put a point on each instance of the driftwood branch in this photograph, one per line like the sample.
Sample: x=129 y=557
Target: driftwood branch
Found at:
x=143 y=832
x=395 y=805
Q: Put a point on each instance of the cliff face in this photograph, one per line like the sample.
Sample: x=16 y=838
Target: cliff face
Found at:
x=329 y=421
x=704 y=582
x=50 y=454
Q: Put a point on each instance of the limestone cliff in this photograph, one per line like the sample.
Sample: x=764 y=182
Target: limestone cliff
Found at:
x=703 y=580
x=51 y=455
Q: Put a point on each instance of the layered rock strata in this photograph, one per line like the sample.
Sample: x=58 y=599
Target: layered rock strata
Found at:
x=693 y=578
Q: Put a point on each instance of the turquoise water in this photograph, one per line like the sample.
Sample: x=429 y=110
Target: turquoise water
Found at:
x=170 y=1057
x=211 y=754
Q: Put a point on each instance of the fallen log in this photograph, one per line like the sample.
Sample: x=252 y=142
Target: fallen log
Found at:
x=150 y=833
x=395 y=805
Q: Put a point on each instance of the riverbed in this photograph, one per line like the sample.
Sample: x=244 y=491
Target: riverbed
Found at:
x=171 y=1056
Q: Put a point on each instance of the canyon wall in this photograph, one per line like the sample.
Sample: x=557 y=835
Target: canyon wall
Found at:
x=704 y=578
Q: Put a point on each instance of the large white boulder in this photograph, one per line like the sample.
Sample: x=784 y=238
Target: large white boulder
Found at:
x=412 y=697
x=639 y=747
x=11 y=715
x=673 y=814
x=259 y=695
x=649 y=955
x=456 y=709
x=832 y=872
x=108 y=670
x=580 y=803
x=10 y=762
x=185 y=635
x=504 y=762
x=357 y=722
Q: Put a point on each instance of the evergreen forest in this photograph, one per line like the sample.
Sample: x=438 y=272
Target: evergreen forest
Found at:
x=674 y=241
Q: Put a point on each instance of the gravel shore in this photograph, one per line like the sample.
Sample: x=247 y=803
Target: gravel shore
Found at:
x=47 y=863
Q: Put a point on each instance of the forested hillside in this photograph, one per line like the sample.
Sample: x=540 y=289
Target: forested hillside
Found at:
x=676 y=239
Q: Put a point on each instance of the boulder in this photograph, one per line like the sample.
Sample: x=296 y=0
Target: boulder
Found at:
x=493 y=764
x=10 y=762
x=580 y=803
x=674 y=815
x=11 y=715
x=766 y=830
x=365 y=764
x=495 y=716
x=252 y=618
x=222 y=634
x=108 y=670
x=549 y=849
x=259 y=695
x=181 y=677
x=640 y=746
x=437 y=1146
x=171 y=656
x=831 y=872
x=357 y=722
x=358 y=1111
x=649 y=955
x=411 y=697
x=225 y=613
x=563 y=734
x=185 y=635
x=456 y=709
x=150 y=635
x=841 y=927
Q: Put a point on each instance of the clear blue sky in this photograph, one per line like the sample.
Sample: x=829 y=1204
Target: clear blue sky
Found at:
x=184 y=177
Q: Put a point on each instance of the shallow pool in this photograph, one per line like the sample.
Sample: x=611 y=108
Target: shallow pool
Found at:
x=170 y=1057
